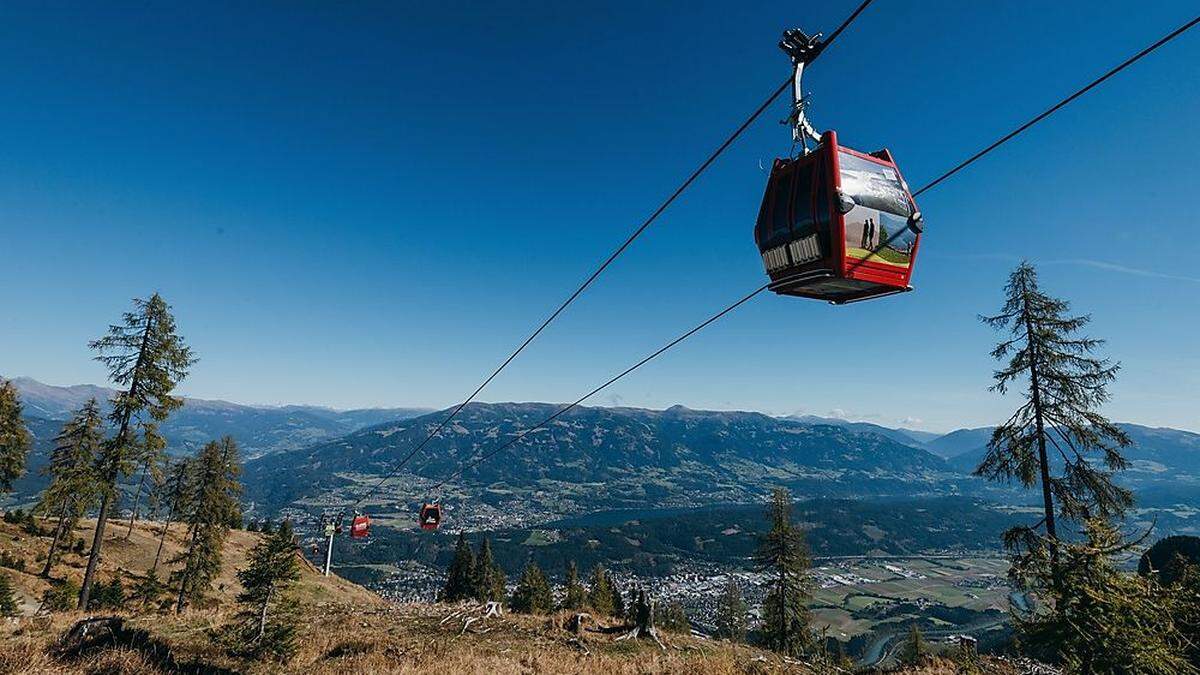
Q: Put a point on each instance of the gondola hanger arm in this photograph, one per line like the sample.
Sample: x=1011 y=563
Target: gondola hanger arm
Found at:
x=802 y=49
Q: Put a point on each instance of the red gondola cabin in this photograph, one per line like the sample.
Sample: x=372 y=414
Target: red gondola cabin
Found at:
x=838 y=225
x=360 y=526
x=431 y=516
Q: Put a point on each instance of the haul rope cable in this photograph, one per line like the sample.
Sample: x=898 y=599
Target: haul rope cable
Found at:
x=620 y=249
x=747 y=298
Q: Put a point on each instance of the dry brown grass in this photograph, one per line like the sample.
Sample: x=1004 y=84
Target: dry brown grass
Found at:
x=406 y=640
x=134 y=556
x=346 y=629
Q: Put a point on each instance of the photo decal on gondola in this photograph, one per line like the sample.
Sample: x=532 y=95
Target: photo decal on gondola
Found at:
x=877 y=226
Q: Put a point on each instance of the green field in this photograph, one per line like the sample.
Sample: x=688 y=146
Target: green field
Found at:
x=879 y=597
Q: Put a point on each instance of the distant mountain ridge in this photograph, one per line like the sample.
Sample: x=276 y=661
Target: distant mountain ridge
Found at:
x=259 y=429
x=625 y=456
x=913 y=437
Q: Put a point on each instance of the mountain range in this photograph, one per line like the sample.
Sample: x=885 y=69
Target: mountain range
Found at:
x=590 y=459
x=259 y=429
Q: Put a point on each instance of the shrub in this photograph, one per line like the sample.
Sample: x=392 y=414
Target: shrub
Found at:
x=61 y=596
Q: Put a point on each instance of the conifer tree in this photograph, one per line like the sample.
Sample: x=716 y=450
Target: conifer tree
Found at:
x=267 y=621
x=213 y=505
x=1103 y=620
x=783 y=555
x=149 y=589
x=15 y=439
x=673 y=617
x=488 y=580
x=460 y=576
x=72 y=490
x=177 y=491
x=619 y=607
x=915 y=650
x=8 y=597
x=149 y=453
x=575 y=597
x=600 y=592
x=148 y=358
x=1056 y=439
x=731 y=612
x=532 y=595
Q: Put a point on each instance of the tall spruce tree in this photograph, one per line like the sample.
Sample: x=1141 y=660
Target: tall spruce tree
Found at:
x=574 y=596
x=600 y=592
x=177 y=491
x=72 y=490
x=146 y=357
x=267 y=621
x=150 y=454
x=461 y=575
x=212 y=506
x=1062 y=384
x=783 y=556
x=15 y=439
x=731 y=612
x=532 y=595
x=488 y=580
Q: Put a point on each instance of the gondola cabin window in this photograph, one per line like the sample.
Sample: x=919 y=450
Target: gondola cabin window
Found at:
x=877 y=226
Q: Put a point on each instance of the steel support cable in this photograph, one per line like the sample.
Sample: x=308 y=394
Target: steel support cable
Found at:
x=611 y=258
x=1061 y=104
x=563 y=410
x=747 y=298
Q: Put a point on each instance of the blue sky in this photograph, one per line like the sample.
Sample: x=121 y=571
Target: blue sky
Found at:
x=361 y=204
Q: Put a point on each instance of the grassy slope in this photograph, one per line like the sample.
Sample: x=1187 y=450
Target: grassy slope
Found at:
x=135 y=555
x=345 y=629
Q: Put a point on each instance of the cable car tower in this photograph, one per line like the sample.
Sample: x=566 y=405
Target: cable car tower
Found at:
x=835 y=224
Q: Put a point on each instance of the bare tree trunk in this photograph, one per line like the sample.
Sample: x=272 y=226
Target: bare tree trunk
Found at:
x=188 y=571
x=89 y=575
x=58 y=533
x=162 y=539
x=262 y=617
x=137 y=498
x=1039 y=420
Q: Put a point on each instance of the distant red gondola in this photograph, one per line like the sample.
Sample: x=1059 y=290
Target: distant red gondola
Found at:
x=431 y=516
x=360 y=527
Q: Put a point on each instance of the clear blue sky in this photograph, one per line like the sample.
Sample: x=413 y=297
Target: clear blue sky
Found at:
x=361 y=204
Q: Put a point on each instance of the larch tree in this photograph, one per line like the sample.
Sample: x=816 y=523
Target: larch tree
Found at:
x=574 y=597
x=783 y=556
x=15 y=439
x=731 y=612
x=489 y=579
x=460 y=576
x=177 y=491
x=150 y=454
x=1056 y=439
x=266 y=623
x=212 y=506
x=147 y=358
x=72 y=490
